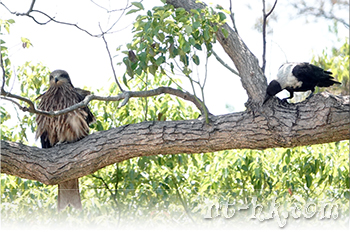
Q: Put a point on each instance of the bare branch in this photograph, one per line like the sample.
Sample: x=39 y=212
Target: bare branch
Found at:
x=224 y=64
x=265 y=16
x=126 y=95
x=273 y=7
x=121 y=15
x=50 y=19
x=3 y=70
x=112 y=65
x=111 y=11
x=8 y=95
x=304 y=9
x=31 y=6
x=14 y=102
x=233 y=18
x=60 y=22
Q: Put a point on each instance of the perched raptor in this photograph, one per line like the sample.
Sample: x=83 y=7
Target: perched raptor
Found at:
x=66 y=128
x=299 y=77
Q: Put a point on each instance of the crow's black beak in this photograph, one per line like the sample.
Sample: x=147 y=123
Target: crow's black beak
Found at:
x=267 y=97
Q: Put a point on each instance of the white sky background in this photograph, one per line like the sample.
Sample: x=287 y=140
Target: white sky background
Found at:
x=85 y=58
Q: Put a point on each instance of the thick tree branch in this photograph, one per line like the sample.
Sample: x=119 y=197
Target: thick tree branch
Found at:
x=323 y=118
x=252 y=77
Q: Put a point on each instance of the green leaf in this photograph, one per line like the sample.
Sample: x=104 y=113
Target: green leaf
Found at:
x=195 y=59
x=206 y=34
x=188 y=29
x=160 y=60
x=196 y=25
x=132 y=11
x=138 y=5
x=152 y=69
x=198 y=46
x=308 y=180
x=225 y=32
x=222 y=16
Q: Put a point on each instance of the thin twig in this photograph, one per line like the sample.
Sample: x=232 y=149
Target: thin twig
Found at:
x=121 y=15
x=233 y=18
x=46 y=15
x=111 y=60
x=14 y=102
x=264 y=39
x=111 y=11
x=125 y=95
x=31 y=7
x=182 y=201
x=109 y=190
x=319 y=12
x=273 y=7
x=224 y=64
x=3 y=70
x=8 y=95
x=265 y=16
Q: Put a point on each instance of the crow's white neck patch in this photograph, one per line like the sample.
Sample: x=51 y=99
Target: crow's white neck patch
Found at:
x=286 y=78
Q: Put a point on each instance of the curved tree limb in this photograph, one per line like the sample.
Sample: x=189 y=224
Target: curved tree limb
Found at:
x=323 y=118
x=126 y=95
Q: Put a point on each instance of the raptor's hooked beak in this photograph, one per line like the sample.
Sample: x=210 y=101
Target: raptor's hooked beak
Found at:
x=56 y=79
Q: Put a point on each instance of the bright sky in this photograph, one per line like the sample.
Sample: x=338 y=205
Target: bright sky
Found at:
x=86 y=60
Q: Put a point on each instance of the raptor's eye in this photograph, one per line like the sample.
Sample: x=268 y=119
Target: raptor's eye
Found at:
x=64 y=75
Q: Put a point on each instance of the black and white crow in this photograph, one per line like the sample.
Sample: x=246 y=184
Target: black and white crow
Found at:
x=299 y=77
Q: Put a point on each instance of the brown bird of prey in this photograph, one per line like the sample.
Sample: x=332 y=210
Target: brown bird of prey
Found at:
x=66 y=128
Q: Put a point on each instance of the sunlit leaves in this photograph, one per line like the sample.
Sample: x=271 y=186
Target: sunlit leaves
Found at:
x=26 y=42
x=5 y=24
x=144 y=186
x=138 y=6
x=338 y=63
x=164 y=34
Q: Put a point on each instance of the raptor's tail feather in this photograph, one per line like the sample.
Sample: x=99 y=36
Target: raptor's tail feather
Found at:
x=68 y=194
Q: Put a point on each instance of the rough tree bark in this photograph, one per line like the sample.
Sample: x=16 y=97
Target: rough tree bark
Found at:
x=321 y=119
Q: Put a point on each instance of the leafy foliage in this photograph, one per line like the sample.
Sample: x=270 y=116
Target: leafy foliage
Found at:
x=167 y=40
x=338 y=62
x=164 y=34
x=164 y=188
